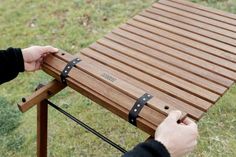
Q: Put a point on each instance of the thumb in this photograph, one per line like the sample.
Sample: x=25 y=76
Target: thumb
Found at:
x=49 y=49
x=174 y=116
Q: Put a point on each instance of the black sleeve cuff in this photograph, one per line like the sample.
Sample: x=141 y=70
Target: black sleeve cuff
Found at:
x=162 y=151
x=11 y=63
x=15 y=54
x=150 y=148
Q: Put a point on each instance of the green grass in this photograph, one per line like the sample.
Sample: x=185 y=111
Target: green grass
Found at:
x=72 y=25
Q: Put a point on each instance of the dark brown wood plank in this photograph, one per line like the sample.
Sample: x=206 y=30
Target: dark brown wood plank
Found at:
x=152 y=48
x=154 y=72
x=200 y=12
x=196 y=17
x=164 y=66
x=193 y=22
x=121 y=85
x=190 y=35
x=175 y=92
x=153 y=33
x=191 y=28
x=207 y=9
x=193 y=112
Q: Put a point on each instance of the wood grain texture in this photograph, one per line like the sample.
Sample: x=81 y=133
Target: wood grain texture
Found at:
x=182 y=53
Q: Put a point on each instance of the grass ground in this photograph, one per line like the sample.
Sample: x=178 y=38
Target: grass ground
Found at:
x=72 y=25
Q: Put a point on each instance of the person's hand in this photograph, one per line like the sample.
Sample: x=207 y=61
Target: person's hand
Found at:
x=33 y=56
x=179 y=139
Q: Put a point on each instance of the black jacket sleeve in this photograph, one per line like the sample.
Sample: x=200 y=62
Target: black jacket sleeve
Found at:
x=150 y=148
x=11 y=63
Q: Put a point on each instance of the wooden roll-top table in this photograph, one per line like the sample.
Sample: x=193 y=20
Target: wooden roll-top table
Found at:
x=180 y=54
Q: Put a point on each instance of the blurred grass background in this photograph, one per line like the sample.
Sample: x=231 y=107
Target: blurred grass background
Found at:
x=72 y=25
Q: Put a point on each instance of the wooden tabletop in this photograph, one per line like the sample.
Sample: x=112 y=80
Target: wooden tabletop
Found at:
x=182 y=53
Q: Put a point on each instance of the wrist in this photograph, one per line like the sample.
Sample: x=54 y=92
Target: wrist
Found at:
x=24 y=54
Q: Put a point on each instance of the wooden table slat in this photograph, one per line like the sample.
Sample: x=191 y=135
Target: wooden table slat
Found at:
x=177 y=42
x=167 y=39
x=186 y=66
x=193 y=22
x=128 y=89
x=188 y=34
x=154 y=72
x=164 y=66
x=113 y=94
x=199 y=12
x=161 y=85
x=208 y=9
x=191 y=28
x=183 y=106
x=195 y=17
